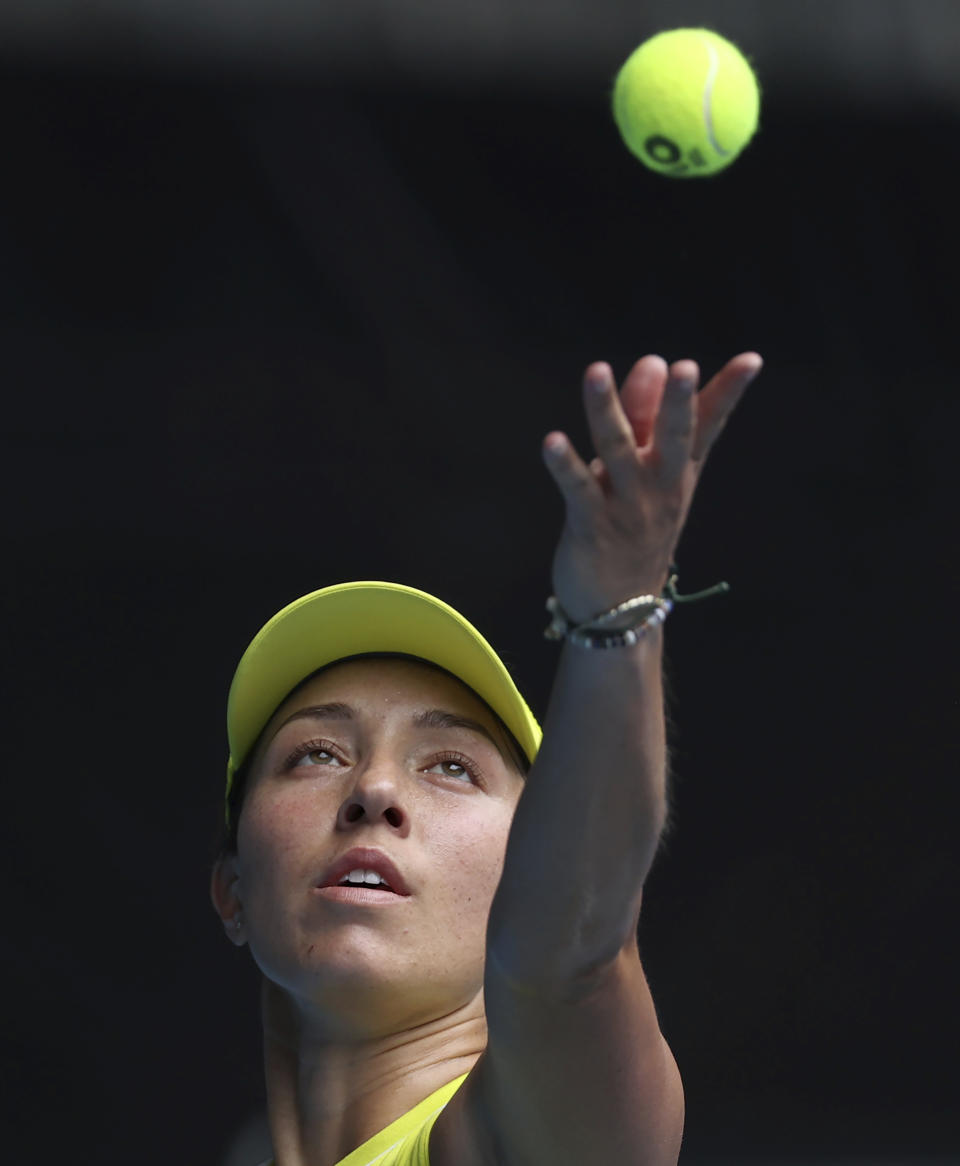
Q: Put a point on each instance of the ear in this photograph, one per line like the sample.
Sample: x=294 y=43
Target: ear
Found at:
x=225 y=896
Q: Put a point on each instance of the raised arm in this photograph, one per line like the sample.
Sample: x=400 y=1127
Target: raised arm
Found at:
x=588 y=823
x=576 y=1070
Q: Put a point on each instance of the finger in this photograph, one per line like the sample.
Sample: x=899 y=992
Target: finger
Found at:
x=719 y=397
x=577 y=483
x=641 y=394
x=599 y=471
x=676 y=419
x=610 y=428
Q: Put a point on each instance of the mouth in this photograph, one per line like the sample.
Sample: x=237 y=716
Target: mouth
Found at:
x=365 y=869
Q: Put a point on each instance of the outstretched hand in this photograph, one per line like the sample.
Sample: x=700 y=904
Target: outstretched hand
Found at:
x=625 y=511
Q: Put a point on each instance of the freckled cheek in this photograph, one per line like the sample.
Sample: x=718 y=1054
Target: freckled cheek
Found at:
x=476 y=862
x=281 y=833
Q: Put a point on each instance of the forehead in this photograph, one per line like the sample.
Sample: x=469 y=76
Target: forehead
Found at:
x=386 y=683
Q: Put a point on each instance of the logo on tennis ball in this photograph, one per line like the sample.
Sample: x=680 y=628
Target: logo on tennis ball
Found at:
x=666 y=153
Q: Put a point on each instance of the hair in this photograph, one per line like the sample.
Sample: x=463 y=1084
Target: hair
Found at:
x=226 y=840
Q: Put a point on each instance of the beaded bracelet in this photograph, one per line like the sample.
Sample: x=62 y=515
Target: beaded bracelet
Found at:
x=646 y=612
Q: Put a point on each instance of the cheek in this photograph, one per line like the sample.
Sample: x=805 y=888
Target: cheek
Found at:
x=473 y=855
x=279 y=832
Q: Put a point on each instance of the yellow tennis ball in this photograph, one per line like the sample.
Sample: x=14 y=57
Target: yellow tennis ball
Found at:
x=686 y=102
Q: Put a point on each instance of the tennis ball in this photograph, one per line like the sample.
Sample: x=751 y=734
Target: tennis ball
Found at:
x=686 y=102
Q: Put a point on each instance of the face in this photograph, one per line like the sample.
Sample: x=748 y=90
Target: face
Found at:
x=438 y=801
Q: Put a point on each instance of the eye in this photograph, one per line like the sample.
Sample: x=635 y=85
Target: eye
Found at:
x=468 y=770
x=311 y=753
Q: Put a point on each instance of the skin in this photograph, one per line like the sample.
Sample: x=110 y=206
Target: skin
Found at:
x=366 y=1010
x=626 y=507
x=522 y=987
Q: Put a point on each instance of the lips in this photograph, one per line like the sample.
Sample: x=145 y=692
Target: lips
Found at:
x=361 y=858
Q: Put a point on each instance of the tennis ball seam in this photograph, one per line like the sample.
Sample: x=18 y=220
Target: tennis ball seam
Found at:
x=708 y=99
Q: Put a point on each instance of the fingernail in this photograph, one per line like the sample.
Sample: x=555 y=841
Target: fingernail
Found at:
x=598 y=384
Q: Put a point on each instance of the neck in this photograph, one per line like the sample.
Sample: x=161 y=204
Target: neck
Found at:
x=331 y=1087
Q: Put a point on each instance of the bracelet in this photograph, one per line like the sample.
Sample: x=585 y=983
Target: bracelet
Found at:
x=634 y=616
x=647 y=612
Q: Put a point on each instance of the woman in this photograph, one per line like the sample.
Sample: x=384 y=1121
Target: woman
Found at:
x=476 y=997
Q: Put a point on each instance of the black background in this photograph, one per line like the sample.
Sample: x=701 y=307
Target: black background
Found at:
x=260 y=337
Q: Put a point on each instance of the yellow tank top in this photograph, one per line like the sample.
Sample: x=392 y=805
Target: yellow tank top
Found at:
x=403 y=1142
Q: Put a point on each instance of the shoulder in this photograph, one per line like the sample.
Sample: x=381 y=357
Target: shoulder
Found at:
x=570 y=1074
x=409 y=1140
x=461 y=1135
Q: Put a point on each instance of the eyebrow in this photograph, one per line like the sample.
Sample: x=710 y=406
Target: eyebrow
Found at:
x=431 y=719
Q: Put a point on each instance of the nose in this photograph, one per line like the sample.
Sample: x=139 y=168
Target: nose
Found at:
x=374 y=798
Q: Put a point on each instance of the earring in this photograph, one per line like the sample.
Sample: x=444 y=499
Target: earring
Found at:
x=236 y=922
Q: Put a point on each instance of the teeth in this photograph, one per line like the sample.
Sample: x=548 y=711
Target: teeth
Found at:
x=368 y=877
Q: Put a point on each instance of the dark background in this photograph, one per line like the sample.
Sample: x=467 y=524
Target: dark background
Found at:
x=262 y=335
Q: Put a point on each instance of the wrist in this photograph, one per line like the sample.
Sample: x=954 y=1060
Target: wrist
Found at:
x=620 y=626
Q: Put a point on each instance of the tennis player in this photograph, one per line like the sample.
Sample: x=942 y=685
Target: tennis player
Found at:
x=442 y=900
